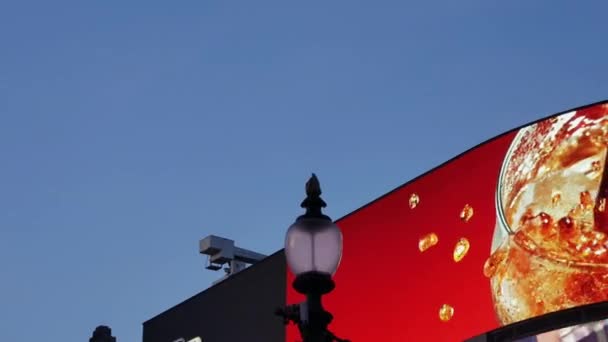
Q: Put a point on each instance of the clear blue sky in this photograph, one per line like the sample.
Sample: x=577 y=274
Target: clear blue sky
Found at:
x=131 y=129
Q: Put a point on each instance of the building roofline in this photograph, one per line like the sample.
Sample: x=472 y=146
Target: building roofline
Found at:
x=220 y=284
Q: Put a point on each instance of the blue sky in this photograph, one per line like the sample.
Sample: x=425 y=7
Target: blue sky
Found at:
x=130 y=129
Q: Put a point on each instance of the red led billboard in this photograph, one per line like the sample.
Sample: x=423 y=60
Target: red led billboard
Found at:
x=515 y=228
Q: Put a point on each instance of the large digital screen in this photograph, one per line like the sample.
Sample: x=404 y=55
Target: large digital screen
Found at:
x=515 y=228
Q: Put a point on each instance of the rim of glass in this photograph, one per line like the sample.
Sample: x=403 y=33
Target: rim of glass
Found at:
x=504 y=225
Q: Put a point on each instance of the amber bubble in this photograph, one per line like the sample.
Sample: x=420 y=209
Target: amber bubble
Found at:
x=489 y=268
x=555 y=199
x=566 y=223
x=601 y=206
x=545 y=219
x=467 y=213
x=427 y=241
x=587 y=251
x=446 y=312
x=414 y=200
x=586 y=199
x=527 y=216
x=566 y=227
x=597 y=137
x=492 y=263
x=577 y=211
x=522 y=239
x=461 y=249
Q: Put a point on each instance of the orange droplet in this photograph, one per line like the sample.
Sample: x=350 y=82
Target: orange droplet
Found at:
x=527 y=216
x=524 y=241
x=414 y=200
x=461 y=249
x=466 y=213
x=427 y=241
x=586 y=199
x=555 y=199
x=587 y=251
x=446 y=312
x=545 y=219
x=596 y=166
x=491 y=265
x=577 y=211
x=601 y=205
x=489 y=268
x=566 y=227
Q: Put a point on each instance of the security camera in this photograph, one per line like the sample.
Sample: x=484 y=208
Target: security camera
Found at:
x=222 y=251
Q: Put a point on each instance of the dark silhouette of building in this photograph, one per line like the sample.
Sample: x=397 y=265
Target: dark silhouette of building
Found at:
x=102 y=334
x=240 y=308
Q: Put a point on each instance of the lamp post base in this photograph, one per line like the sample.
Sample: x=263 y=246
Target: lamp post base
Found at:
x=292 y=314
x=314 y=321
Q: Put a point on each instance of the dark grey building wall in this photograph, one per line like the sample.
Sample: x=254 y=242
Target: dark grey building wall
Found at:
x=239 y=309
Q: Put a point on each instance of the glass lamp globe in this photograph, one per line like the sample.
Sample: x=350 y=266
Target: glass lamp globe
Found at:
x=313 y=244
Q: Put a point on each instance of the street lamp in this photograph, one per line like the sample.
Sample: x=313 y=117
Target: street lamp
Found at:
x=313 y=248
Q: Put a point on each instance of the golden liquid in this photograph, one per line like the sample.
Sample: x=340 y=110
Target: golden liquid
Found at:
x=556 y=256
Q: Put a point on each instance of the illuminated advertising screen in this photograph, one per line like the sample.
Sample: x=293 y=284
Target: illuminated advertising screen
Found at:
x=513 y=229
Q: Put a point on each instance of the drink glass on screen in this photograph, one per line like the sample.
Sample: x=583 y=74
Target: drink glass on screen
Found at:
x=550 y=245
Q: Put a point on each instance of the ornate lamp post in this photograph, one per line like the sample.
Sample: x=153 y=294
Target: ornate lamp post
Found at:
x=313 y=248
